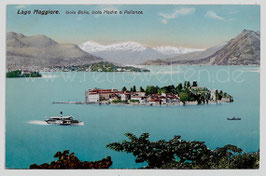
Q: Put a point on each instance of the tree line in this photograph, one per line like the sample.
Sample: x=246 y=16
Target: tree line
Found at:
x=181 y=154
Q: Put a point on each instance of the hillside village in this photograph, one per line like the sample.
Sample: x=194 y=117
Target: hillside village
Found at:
x=182 y=94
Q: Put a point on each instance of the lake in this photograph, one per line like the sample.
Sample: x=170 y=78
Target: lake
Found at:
x=29 y=101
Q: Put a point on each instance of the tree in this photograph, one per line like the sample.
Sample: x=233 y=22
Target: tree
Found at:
x=161 y=152
x=186 y=95
x=124 y=89
x=152 y=90
x=181 y=154
x=194 y=84
x=134 y=88
x=70 y=161
x=167 y=89
x=141 y=89
x=179 y=87
x=187 y=85
x=219 y=95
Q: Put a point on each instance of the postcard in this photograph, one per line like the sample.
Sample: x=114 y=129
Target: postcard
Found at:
x=132 y=87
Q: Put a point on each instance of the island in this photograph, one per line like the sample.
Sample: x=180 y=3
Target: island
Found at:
x=96 y=67
x=182 y=94
x=22 y=74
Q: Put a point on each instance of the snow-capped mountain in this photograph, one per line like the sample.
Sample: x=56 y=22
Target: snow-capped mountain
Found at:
x=92 y=47
x=170 y=50
x=131 y=52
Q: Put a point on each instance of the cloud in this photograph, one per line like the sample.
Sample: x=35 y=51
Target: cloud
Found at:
x=175 y=14
x=20 y=7
x=213 y=15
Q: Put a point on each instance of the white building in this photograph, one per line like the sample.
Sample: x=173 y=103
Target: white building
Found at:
x=213 y=95
x=124 y=97
x=136 y=98
x=93 y=98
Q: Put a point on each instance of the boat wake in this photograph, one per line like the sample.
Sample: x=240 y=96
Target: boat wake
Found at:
x=37 y=122
x=80 y=124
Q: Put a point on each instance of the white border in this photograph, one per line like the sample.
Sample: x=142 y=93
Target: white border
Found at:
x=116 y=172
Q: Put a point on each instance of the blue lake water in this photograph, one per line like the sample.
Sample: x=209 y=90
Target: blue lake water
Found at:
x=31 y=100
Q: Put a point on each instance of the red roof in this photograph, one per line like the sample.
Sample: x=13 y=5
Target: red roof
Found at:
x=93 y=93
x=104 y=91
x=156 y=100
x=162 y=97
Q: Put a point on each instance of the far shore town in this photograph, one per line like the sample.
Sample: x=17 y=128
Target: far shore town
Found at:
x=153 y=95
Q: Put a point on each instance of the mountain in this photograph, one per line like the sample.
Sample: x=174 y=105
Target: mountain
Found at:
x=197 y=55
x=131 y=52
x=170 y=50
x=244 y=49
x=156 y=62
x=42 y=51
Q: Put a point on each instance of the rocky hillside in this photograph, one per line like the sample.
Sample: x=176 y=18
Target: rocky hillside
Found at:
x=244 y=49
x=41 y=51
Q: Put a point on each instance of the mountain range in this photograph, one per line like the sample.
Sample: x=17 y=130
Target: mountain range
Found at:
x=244 y=49
x=132 y=52
x=41 y=51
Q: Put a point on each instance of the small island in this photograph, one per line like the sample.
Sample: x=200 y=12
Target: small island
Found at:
x=182 y=94
x=97 y=67
x=22 y=74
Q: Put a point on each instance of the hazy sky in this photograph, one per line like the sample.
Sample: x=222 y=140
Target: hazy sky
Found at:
x=198 y=26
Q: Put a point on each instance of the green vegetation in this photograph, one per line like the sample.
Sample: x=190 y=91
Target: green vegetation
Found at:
x=21 y=74
x=186 y=92
x=221 y=95
x=70 y=161
x=180 y=154
x=134 y=101
x=124 y=89
x=103 y=67
x=187 y=96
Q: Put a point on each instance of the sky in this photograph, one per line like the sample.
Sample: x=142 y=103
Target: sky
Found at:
x=190 y=26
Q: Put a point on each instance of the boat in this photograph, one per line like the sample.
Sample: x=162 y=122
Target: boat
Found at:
x=62 y=120
x=234 y=118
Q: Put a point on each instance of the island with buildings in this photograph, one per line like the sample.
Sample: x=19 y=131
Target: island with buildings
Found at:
x=182 y=94
x=22 y=74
